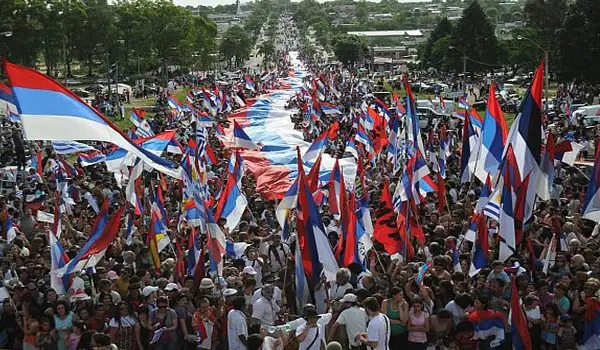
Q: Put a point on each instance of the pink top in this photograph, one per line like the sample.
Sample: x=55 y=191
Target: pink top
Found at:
x=416 y=336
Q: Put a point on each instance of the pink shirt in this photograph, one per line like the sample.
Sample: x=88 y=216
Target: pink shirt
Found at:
x=416 y=336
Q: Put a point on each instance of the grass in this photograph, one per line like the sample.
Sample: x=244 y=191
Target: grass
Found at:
x=125 y=124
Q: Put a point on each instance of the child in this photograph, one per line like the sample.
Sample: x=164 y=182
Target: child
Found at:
x=75 y=336
x=549 y=327
x=464 y=337
x=566 y=334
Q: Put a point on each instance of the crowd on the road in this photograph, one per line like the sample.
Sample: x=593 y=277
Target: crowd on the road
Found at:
x=387 y=303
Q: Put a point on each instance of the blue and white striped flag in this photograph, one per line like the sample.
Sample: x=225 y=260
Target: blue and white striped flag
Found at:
x=68 y=147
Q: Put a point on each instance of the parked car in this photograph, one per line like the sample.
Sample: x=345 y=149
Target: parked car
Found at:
x=81 y=92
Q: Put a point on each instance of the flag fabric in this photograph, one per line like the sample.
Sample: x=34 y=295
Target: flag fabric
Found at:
x=525 y=137
x=9 y=230
x=317 y=257
x=130 y=190
x=235 y=250
x=241 y=139
x=486 y=324
x=493 y=138
x=36 y=163
x=507 y=216
x=422 y=271
x=469 y=149
x=58 y=259
x=520 y=334
x=250 y=83
x=328 y=108
x=51 y=112
x=103 y=234
x=317 y=147
x=232 y=201
x=479 y=259
x=193 y=252
x=216 y=242
x=91 y=158
x=591 y=333
x=68 y=147
x=591 y=203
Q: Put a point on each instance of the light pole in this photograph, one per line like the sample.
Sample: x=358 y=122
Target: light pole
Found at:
x=546 y=64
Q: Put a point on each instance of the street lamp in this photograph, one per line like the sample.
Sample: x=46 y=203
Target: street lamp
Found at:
x=546 y=74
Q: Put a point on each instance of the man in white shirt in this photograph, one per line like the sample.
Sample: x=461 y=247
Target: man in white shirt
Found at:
x=378 y=331
x=311 y=334
x=237 y=329
x=265 y=309
x=354 y=318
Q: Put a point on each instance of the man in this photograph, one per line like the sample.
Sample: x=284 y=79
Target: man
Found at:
x=278 y=254
x=378 y=331
x=354 y=318
x=264 y=311
x=237 y=329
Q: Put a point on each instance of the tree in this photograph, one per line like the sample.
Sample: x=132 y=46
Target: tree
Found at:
x=546 y=16
x=361 y=11
x=349 y=48
x=474 y=37
x=442 y=29
x=267 y=49
x=235 y=45
x=578 y=46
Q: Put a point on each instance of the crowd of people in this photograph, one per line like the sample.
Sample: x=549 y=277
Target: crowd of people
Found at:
x=388 y=301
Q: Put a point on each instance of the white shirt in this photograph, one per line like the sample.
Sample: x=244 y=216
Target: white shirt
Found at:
x=127 y=321
x=338 y=291
x=379 y=331
x=236 y=326
x=355 y=319
x=457 y=312
x=265 y=311
x=312 y=333
x=257 y=295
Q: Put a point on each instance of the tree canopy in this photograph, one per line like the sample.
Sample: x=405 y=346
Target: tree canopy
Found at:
x=349 y=48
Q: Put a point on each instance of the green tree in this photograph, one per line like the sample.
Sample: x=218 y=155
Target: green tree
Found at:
x=474 y=37
x=578 y=45
x=349 y=48
x=362 y=11
x=267 y=49
x=442 y=30
x=235 y=46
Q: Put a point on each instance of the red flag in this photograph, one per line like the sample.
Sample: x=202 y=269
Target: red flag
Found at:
x=386 y=197
x=344 y=213
x=333 y=130
x=519 y=322
x=350 y=251
x=313 y=175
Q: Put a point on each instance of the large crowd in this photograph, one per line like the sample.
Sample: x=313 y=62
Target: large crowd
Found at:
x=125 y=302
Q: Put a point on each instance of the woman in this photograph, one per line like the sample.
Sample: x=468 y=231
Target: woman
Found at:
x=534 y=319
x=50 y=298
x=396 y=309
x=63 y=321
x=204 y=323
x=145 y=327
x=165 y=318
x=184 y=317
x=418 y=326
x=124 y=330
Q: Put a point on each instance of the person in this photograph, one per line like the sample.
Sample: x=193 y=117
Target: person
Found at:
x=550 y=325
x=184 y=316
x=353 y=317
x=164 y=319
x=311 y=334
x=204 y=326
x=124 y=330
x=418 y=325
x=378 y=332
x=76 y=334
x=63 y=321
x=265 y=309
x=396 y=309
x=566 y=334
x=237 y=329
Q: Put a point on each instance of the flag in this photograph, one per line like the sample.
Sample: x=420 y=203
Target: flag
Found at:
x=328 y=108
x=493 y=138
x=317 y=257
x=6 y=96
x=193 y=252
x=250 y=83
x=51 y=112
x=241 y=139
x=302 y=290
x=143 y=129
x=91 y=158
x=289 y=202
x=479 y=260
x=525 y=136
x=591 y=203
x=36 y=163
x=335 y=179
x=591 y=333
x=317 y=147
x=103 y=234
x=520 y=334
x=313 y=175
x=58 y=259
x=152 y=240
x=130 y=191
x=422 y=271
x=232 y=201
x=363 y=137
x=235 y=250
x=486 y=324
x=68 y=147
x=9 y=230
x=507 y=216
x=462 y=103
x=216 y=242
x=469 y=149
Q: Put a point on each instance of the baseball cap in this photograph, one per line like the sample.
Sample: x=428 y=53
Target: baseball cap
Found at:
x=171 y=287
x=112 y=275
x=249 y=270
x=349 y=298
x=149 y=290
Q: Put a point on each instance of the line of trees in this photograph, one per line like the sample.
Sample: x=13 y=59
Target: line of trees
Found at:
x=138 y=35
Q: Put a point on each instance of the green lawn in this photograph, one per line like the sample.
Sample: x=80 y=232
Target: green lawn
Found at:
x=125 y=124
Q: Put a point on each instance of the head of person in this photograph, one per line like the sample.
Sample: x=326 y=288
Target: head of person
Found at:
x=162 y=303
x=311 y=316
x=417 y=304
x=342 y=276
x=371 y=305
x=267 y=291
x=62 y=308
x=239 y=303
x=481 y=302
